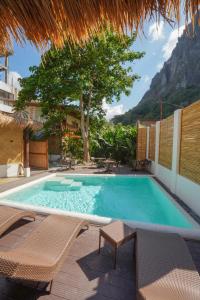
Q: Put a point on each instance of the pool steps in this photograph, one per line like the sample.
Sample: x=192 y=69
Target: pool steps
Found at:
x=67 y=181
x=76 y=184
x=62 y=185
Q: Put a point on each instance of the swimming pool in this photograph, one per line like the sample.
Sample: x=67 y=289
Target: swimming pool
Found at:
x=129 y=198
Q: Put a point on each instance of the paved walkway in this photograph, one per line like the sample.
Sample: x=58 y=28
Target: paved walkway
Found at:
x=8 y=183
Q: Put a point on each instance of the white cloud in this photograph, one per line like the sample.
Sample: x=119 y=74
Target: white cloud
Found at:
x=171 y=42
x=13 y=79
x=112 y=111
x=146 y=78
x=159 y=66
x=156 y=31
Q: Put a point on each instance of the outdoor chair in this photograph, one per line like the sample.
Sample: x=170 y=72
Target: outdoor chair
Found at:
x=43 y=252
x=141 y=165
x=164 y=267
x=9 y=216
x=68 y=163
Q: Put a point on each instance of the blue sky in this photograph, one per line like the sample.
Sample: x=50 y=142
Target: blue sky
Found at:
x=157 y=42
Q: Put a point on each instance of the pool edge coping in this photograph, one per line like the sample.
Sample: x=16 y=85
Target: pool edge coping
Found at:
x=186 y=233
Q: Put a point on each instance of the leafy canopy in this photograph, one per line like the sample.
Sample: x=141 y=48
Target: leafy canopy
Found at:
x=98 y=70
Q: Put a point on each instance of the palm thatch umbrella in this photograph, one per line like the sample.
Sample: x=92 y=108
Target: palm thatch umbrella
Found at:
x=76 y=20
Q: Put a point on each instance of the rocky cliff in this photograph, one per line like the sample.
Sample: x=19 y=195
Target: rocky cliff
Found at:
x=175 y=86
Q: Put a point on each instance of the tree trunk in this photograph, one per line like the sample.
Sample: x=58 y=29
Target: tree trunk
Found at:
x=86 y=157
x=84 y=132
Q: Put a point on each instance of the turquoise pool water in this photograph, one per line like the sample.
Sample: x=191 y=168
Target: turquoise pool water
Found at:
x=120 y=197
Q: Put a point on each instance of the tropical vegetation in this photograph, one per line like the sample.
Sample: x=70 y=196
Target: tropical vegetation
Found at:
x=81 y=77
x=114 y=141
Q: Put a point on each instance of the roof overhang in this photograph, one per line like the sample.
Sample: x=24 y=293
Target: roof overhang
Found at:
x=12 y=121
x=57 y=21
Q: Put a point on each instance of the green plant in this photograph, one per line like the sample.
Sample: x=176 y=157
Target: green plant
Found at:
x=114 y=141
x=85 y=74
x=72 y=147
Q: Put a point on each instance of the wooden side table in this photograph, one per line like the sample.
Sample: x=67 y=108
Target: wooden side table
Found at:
x=117 y=234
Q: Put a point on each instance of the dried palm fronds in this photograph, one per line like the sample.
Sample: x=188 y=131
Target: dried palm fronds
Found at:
x=14 y=121
x=41 y=21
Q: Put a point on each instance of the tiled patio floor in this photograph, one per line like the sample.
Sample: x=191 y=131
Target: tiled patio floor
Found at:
x=11 y=182
x=85 y=274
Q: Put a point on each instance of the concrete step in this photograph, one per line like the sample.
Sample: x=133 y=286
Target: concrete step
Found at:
x=67 y=181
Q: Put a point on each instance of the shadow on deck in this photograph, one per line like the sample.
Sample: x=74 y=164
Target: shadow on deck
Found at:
x=85 y=274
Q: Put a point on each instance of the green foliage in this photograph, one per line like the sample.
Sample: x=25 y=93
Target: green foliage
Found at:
x=72 y=147
x=83 y=76
x=114 y=141
x=98 y=66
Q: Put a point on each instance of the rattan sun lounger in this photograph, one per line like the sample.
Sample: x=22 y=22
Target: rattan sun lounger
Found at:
x=164 y=268
x=40 y=256
x=9 y=216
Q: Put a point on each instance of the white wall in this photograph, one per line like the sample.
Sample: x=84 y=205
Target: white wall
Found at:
x=184 y=188
x=9 y=170
x=5 y=87
x=164 y=175
x=189 y=192
x=3 y=170
x=5 y=108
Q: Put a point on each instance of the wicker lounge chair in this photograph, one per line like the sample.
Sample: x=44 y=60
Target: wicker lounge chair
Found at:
x=41 y=255
x=164 y=267
x=9 y=216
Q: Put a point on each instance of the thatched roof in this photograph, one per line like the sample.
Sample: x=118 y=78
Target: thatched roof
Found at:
x=58 y=20
x=8 y=120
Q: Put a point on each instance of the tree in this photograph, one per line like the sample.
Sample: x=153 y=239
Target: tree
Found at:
x=87 y=74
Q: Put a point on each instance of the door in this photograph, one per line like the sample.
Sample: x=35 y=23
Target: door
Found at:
x=38 y=152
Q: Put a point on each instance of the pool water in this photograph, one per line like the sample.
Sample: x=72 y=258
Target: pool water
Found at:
x=119 y=197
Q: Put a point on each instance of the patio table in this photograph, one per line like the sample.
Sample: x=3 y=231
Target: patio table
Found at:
x=99 y=161
x=67 y=162
x=117 y=234
x=109 y=164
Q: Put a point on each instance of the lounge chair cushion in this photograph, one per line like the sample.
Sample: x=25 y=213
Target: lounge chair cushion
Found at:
x=164 y=267
x=42 y=253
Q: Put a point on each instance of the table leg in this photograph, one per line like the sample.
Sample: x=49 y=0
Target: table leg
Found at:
x=115 y=259
x=99 y=242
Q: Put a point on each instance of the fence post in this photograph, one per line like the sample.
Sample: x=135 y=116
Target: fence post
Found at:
x=147 y=145
x=176 y=148
x=157 y=143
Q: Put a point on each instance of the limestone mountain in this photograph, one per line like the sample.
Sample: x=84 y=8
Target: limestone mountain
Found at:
x=175 y=86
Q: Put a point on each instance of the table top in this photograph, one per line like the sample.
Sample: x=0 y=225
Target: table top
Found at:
x=117 y=232
x=67 y=159
x=110 y=161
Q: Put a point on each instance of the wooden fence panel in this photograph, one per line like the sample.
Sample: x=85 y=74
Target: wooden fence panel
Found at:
x=152 y=145
x=55 y=146
x=38 y=154
x=141 y=143
x=190 y=143
x=166 y=142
